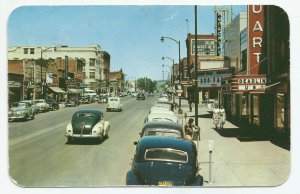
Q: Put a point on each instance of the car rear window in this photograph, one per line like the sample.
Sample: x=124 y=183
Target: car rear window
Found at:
x=162 y=133
x=85 y=115
x=166 y=154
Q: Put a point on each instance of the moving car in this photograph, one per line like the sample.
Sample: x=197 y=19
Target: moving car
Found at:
x=42 y=104
x=53 y=104
x=162 y=128
x=164 y=161
x=114 y=103
x=20 y=111
x=140 y=96
x=161 y=117
x=87 y=124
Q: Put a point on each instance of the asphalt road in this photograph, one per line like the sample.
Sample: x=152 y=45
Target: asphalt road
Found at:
x=39 y=155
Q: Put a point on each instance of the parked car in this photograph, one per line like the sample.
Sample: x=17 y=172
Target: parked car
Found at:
x=134 y=94
x=42 y=104
x=72 y=103
x=161 y=106
x=20 y=111
x=151 y=94
x=53 y=104
x=114 y=103
x=171 y=104
x=35 y=107
x=161 y=110
x=164 y=161
x=162 y=128
x=87 y=124
x=84 y=100
x=161 y=117
x=140 y=96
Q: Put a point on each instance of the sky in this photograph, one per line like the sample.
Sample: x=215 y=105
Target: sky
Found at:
x=130 y=34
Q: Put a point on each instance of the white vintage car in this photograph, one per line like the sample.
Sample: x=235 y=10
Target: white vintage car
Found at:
x=114 y=103
x=20 y=111
x=87 y=124
x=42 y=104
x=161 y=117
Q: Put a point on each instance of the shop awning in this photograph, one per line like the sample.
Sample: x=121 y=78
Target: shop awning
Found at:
x=76 y=91
x=57 y=90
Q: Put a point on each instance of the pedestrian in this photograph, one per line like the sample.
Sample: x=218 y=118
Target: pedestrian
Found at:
x=222 y=116
x=216 y=116
x=189 y=128
x=190 y=105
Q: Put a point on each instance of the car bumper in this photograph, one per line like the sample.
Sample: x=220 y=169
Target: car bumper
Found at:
x=84 y=136
x=17 y=117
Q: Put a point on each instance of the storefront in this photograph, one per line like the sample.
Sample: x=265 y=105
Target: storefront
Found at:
x=15 y=87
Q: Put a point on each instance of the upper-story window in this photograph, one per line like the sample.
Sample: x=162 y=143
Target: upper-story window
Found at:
x=25 y=50
x=92 y=75
x=31 y=50
x=92 y=62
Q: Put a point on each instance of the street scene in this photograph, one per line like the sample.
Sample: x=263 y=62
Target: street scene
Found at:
x=164 y=96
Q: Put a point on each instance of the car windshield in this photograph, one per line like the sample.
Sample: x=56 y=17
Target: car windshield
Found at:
x=113 y=100
x=85 y=115
x=166 y=154
x=39 y=101
x=162 y=133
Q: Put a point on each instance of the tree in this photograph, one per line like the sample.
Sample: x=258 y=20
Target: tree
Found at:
x=146 y=84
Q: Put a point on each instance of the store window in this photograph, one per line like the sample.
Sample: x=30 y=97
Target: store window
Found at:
x=92 y=62
x=92 y=75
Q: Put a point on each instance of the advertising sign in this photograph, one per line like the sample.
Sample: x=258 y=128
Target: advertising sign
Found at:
x=255 y=37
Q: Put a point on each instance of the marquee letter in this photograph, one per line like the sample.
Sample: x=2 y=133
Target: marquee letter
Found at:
x=255 y=10
x=257 y=41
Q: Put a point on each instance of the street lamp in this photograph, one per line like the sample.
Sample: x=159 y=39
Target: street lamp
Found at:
x=180 y=68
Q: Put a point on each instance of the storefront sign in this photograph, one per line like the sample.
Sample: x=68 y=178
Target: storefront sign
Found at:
x=14 y=84
x=204 y=47
x=255 y=37
x=245 y=83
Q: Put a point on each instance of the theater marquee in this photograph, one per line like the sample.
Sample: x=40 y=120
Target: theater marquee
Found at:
x=245 y=83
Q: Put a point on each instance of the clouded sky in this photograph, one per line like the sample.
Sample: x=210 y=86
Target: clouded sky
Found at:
x=130 y=34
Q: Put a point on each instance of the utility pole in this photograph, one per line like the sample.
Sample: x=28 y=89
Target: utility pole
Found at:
x=196 y=96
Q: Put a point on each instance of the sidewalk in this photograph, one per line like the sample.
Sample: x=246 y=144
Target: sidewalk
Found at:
x=235 y=162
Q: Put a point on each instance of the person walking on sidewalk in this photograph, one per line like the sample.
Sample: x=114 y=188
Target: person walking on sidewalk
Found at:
x=190 y=128
x=222 y=116
x=216 y=116
x=190 y=104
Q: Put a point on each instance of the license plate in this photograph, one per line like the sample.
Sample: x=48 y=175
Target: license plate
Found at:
x=165 y=183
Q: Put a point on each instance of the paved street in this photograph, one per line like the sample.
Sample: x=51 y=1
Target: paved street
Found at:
x=40 y=157
x=238 y=163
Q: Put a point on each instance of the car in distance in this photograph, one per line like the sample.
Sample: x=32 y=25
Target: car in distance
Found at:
x=20 y=111
x=140 y=96
x=162 y=128
x=87 y=124
x=164 y=161
x=72 y=103
x=34 y=106
x=161 y=117
x=53 y=104
x=42 y=104
x=114 y=103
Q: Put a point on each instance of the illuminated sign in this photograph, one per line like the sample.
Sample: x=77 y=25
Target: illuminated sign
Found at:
x=219 y=33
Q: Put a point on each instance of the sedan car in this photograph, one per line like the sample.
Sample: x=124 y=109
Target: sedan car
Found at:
x=34 y=106
x=140 y=96
x=20 y=111
x=87 y=124
x=165 y=161
x=53 y=104
x=42 y=104
x=161 y=117
x=162 y=128
x=114 y=103
x=72 y=103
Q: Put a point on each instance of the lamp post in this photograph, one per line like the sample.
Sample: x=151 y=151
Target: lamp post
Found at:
x=41 y=63
x=180 y=69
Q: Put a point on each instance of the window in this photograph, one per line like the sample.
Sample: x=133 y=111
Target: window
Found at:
x=166 y=154
x=92 y=62
x=92 y=75
x=31 y=50
x=25 y=50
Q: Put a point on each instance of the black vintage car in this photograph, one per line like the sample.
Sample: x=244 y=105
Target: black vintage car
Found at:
x=53 y=104
x=164 y=161
x=162 y=128
x=140 y=96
